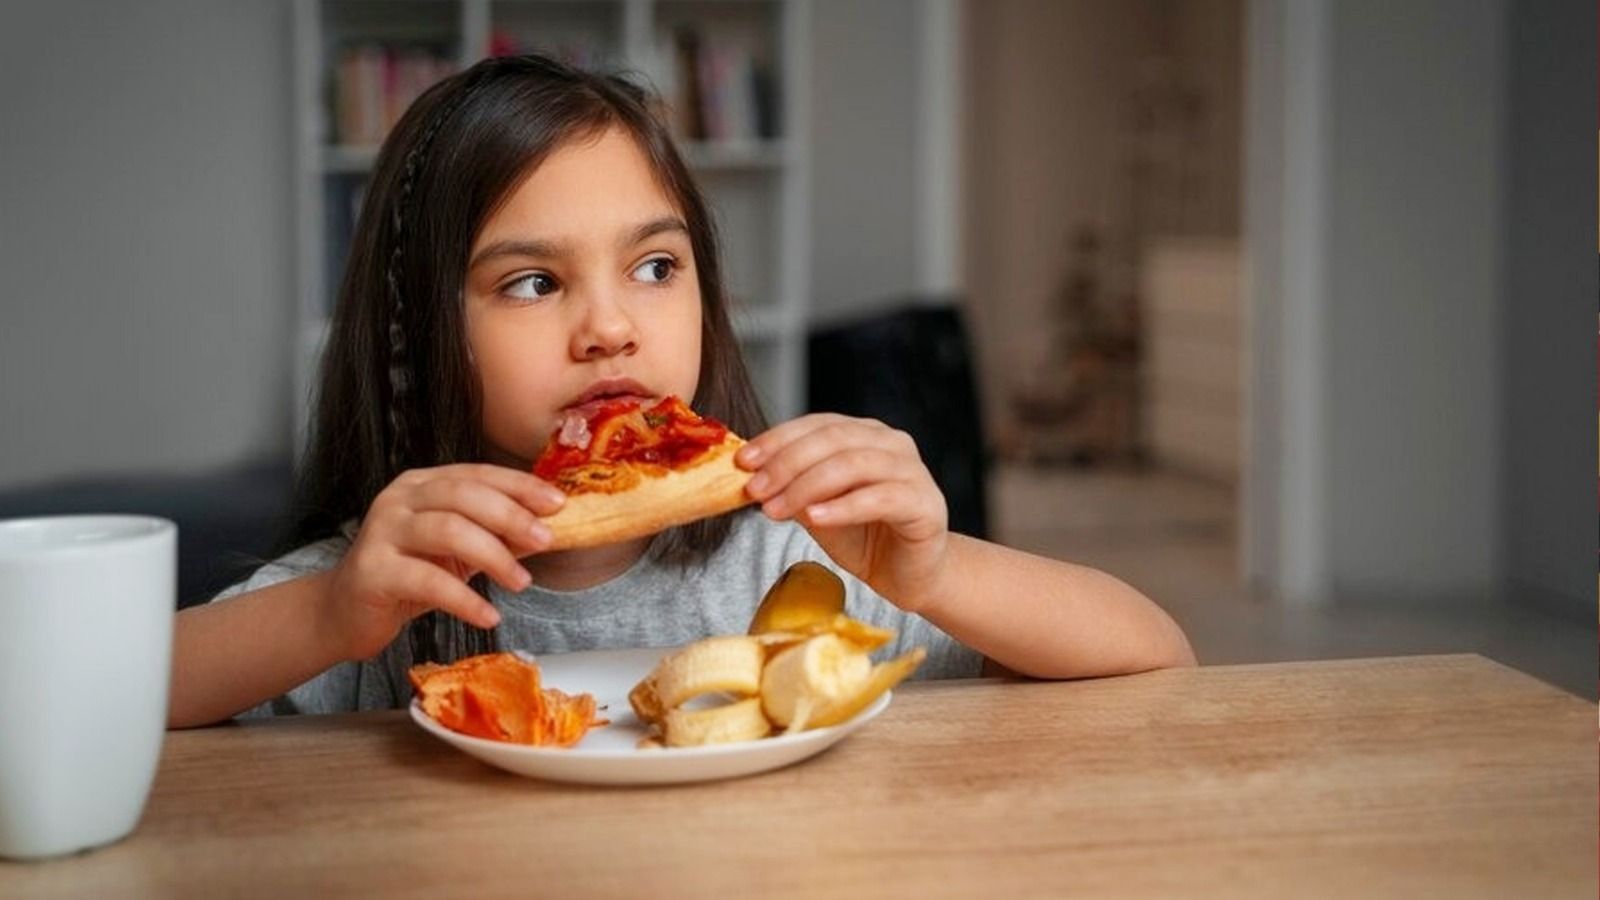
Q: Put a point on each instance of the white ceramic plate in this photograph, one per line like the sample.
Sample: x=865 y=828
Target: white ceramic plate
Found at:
x=609 y=755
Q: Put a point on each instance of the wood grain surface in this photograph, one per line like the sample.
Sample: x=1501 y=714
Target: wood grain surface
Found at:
x=1407 y=777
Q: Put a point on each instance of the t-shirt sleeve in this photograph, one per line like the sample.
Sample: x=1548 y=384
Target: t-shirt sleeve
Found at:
x=947 y=657
x=347 y=686
x=308 y=560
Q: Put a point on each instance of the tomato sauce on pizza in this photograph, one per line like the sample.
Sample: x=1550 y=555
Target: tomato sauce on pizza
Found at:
x=621 y=442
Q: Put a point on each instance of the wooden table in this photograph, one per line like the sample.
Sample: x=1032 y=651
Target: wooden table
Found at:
x=1419 y=776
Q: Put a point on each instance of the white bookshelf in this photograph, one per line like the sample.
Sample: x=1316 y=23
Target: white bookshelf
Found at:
x=758 y=186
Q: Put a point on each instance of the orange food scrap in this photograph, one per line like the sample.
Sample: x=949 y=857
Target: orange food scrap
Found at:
x=498 y=696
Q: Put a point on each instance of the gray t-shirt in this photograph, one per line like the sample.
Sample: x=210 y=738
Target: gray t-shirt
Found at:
x=650 y=605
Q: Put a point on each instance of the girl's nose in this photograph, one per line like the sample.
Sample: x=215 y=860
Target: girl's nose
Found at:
x=605 y=331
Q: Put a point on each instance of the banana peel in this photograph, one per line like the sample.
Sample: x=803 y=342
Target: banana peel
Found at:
x=859 y=634
x=803 y=665
x=808 y=600
x=884 y=676
x=806 y=594
x=825 y=681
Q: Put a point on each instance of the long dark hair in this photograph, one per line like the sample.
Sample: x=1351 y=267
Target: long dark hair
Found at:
x=397 y=388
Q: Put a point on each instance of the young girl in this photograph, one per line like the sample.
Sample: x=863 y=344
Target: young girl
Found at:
x=532 y=243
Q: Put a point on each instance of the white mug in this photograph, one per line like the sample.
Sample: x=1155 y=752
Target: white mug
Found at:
x=86 y=614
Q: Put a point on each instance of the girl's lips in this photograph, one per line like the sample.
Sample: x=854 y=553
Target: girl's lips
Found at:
x=588 y=408
x=607 y=390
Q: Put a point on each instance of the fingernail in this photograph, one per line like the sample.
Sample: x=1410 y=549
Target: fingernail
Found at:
x=540 y=533
x=492 y=619
x=554 y=495
x=749 y=454
x=773 y=508
x=521 y=579
x=757 y=484
x=817 y=513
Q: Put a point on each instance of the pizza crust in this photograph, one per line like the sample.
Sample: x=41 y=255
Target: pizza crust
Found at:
x=711 y=487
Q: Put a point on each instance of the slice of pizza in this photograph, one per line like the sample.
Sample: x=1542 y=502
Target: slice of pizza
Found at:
x=631 y=471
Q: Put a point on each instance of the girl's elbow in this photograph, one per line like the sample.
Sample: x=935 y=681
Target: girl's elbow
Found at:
x=1171 y=648
x=1174 y=651
x=1183 y=656
x=1168 y=650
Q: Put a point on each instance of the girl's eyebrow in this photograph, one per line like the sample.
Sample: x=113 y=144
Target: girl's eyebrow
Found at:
x=548 y=249
x=654 y=227
x=541 y=249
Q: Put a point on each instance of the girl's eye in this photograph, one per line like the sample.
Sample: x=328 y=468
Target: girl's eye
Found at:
x=531 y=287
x=655 y=271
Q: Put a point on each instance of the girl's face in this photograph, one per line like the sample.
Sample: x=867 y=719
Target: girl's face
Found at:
x=581 y=287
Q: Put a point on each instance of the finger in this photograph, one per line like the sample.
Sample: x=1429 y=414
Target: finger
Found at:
x=539 y=496
x=487 y=506
x=762 y=447
x=426 y=586
x=896 y=503
x=789 y=461
x=449 y=534
x=833 y=476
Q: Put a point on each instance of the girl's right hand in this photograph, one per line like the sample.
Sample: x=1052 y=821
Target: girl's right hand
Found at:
x=427 y=533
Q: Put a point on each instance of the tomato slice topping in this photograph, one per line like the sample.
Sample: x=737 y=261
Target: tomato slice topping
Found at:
x=668 y=434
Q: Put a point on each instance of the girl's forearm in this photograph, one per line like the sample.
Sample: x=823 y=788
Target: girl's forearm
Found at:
x=1050 y=619
x=230 y=655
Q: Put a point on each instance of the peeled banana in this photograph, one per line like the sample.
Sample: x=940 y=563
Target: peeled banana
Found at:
x=728 y=665
x=804 y=664
x=741 y=721
x=725 y=665
x=817 y=674
x=884 y=676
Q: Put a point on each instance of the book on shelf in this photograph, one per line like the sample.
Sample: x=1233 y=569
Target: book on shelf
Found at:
x=720 y=89
x=580 y=52
x=373 y=84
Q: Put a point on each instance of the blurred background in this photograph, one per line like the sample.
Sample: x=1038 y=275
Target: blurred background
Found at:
x=1277 y=309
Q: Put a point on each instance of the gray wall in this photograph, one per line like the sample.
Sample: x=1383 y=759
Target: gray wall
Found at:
x=146 y=222
x=863 y=130
x=1422 y=182
x=1413 y=278
x=1548 y=441
x=144 y=236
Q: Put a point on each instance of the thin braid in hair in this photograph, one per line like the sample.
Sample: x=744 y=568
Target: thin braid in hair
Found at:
x=399 y=363
x=436 y=636
x=424 y=633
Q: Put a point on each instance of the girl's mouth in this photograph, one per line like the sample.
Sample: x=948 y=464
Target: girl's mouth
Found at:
x=608 y=390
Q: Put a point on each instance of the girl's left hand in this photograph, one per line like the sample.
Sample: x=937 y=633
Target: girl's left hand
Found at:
x=861 y=489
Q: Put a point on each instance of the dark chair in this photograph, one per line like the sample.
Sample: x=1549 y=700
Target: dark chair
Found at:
x=228 y=520
x=911 y=369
